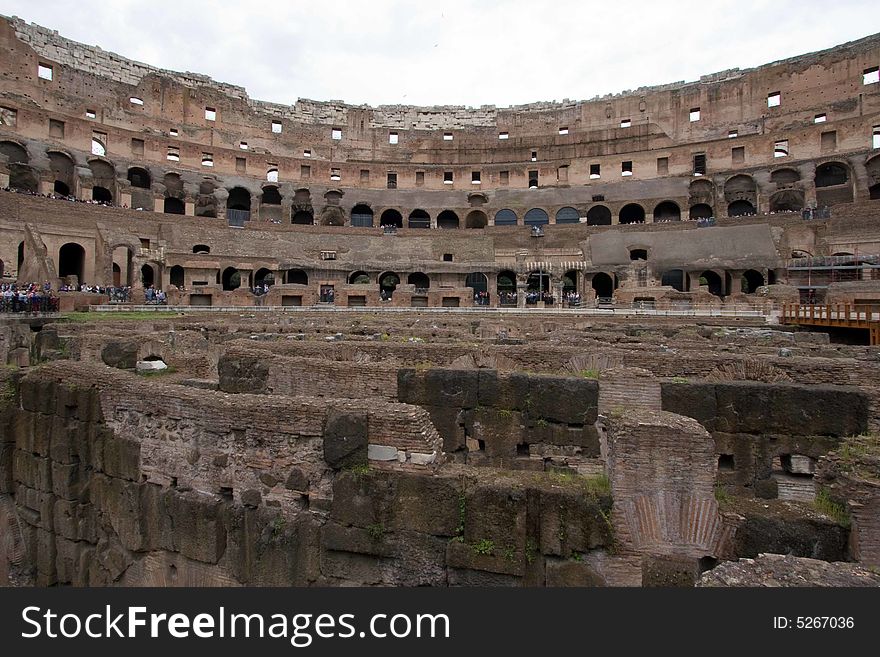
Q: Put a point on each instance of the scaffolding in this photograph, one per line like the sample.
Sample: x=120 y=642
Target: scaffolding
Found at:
x=812 y=275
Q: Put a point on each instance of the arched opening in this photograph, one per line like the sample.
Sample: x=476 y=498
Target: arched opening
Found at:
x=638 y=254
x=139 y=177
x=505 y=218
x=239 y=199
x=71 y=261
x=117 y=275
x=787 y=200
x=362 y=216
x=419 y=280
x=102 y=195
x=303 y=218
x=701 y=211
x=506 y=288
x=872 y=167
x=632 y=213
x=388 y=282
x=830 y=174
x=201 y=249
x=785 y=176
x=676 y=279
x=264 y=277
x=740 y=209
x=603 y=285
x=61 y=165
x=148 y=276
x=419 y=219
x=122 y=261
x=874 y=192
x=479 y=283
x=667 y=211
x=751 y=280
x=538 y=281
x=231 y=279
x=359 y=278
x=270 y=204
x=713 y=283
x=447 y=219
x=476 y=219
x=20 y=256
x=536 y=217
x=567 y=215
x=173 y=206
x=391 y=217
x=14 y=153
x=569 y=282
x=598 y=215
x=176 y=276
x=2 y=268
x=296 y=277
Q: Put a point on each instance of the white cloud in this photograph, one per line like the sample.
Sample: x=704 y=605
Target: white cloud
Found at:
x=455 y=52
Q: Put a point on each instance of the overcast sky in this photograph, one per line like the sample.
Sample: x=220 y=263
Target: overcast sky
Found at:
x=452 y=52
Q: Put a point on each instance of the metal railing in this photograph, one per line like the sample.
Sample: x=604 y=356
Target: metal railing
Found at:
x=839 y=312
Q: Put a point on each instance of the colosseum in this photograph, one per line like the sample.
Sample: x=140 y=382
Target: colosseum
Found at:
x=625 y=341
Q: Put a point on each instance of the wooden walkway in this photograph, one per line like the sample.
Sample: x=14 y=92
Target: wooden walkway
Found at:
x=842 y=315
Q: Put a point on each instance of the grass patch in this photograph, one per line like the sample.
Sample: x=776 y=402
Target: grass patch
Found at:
x=484 y=547
x=835 y=510
x=589 y=374
x=860 y=456
x=679 y=379
x=721 y=495
x=376 y=531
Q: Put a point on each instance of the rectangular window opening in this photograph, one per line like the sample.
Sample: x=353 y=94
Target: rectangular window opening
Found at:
x=240 y=165
x=875 y=137
x=447 y=177
x=733 y=134
x=780 y=148
x=695 y=114
x=447 y=136
x=391 y=180
x=828 y=141
x=475 y=177
x=774 y=99
x=820 y=118
x=173 y=154
x=420 y=178
x=738 y=155
x=276 y=127
x=563 y=131
x=8 y=117
x=504 y=177
x=137 y=146
x=91 y=114
x=56 y=129
x=393 y=138
x=533 y=180
x=272 y=173
x=99 y=143
x=336 y=133
x=44 y=71
x=207 y=160
x=210 y=114
x=307 y=152
x=700 y=164
x=662 y=166
x=626 y=123
x=134 y=100
x=534 y=156
x=173 y=132
x=335 y=174
x=305 y=171
x=243 y=145
x=503 y=135
x=626 y=168
x=871 y=75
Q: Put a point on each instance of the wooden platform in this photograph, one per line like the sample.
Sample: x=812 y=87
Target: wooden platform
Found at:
x=844 y=315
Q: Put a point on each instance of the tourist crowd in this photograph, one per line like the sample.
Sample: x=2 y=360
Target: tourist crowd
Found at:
x=27 y=298
x=61 y=197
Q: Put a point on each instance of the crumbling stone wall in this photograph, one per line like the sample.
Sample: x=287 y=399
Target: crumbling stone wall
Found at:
x=512 y=420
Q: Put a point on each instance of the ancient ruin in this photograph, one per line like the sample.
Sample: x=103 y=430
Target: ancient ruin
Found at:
x=626 y=341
